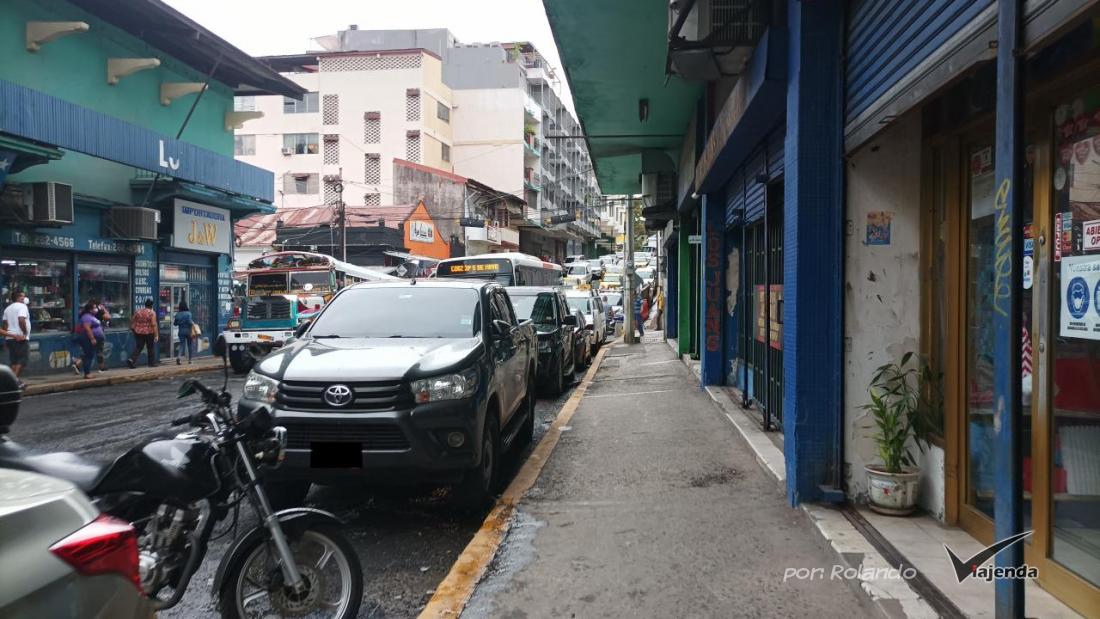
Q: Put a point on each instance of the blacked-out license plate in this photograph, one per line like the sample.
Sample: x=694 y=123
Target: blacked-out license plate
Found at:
x=336 y=455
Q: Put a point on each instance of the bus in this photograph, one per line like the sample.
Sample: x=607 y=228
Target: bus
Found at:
x=509 y=269
x=281 y=290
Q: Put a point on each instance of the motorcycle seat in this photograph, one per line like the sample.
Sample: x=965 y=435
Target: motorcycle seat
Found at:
x=83 y=473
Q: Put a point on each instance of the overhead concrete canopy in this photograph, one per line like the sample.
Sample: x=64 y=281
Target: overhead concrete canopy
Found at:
x=614 y=53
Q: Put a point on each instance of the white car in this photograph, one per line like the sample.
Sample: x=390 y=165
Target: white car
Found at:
x=577 y=273
x=593 y=309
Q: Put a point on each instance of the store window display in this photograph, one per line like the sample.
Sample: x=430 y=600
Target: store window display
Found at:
x=109 y=285
x=48 y=284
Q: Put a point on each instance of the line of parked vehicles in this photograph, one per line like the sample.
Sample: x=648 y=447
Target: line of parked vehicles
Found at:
x=398 y=381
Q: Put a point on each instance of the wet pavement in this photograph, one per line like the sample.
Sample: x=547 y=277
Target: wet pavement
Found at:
x=406 y=540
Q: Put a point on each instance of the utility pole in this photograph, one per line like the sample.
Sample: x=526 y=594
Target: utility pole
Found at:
x=343 y=215
x=628 y=275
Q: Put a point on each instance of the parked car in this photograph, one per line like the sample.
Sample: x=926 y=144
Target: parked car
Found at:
x=403 y=382
x=61 y=557
x=575 y=258
x=553 y=321
x=582 y=341
x=588 y=302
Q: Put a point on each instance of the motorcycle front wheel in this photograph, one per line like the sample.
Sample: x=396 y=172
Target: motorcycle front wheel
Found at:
x=328 y=565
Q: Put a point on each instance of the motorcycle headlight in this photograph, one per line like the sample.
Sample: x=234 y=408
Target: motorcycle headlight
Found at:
x=260 y=387
x=446 y=387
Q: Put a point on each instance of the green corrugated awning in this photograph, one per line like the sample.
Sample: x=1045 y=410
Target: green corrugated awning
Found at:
x=614 y=53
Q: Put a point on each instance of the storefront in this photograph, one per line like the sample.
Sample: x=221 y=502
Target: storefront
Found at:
x=1060 y=306
x=60 y=270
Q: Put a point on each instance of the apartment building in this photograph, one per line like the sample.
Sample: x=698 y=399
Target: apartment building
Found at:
x=488 y=112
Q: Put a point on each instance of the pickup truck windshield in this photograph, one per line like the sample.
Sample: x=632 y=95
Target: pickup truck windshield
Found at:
x=539 y=308
x=405 y=311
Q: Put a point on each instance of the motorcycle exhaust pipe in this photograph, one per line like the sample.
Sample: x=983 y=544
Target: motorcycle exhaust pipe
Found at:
x=198 y=551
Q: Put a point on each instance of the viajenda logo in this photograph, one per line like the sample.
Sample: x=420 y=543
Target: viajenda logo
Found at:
x=973 y=566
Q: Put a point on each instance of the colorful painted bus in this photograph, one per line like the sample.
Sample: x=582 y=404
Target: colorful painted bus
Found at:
x=283 y=289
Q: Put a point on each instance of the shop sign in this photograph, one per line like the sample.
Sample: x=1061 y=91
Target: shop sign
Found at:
x=1080 y=297
x=144 y=271
x=67 y=242
x=695 y=239
x=1090 y=232
x=1057 y=237
x=421 y=232
x=202 y=228
x=492 y=233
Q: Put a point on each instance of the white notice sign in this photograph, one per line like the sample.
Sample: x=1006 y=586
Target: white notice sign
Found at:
x=1080 y=297
x=1090 y=235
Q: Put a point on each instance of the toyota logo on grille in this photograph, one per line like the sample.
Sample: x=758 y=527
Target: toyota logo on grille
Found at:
x=338 y=395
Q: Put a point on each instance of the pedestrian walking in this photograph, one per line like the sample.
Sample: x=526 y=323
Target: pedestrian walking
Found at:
x=17 y=332
x=146 y=333
x=185 y=329
x=90 y=334
x=638 y=304
x=104 y=317
x=659 y=303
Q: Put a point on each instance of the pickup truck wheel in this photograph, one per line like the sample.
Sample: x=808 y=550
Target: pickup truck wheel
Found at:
x=241 y=362
x=527 y=430
x=476 y=489
x=558 y=385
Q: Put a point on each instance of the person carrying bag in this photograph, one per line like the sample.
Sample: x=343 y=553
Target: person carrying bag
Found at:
x=187 y=331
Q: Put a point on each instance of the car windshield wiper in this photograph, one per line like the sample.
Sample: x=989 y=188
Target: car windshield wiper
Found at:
x=328 y=336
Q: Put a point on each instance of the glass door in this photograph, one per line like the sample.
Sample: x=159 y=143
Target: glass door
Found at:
x=170 y=297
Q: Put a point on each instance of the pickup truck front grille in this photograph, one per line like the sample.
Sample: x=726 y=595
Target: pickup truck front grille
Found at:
x=367 y=396
x=374 y=437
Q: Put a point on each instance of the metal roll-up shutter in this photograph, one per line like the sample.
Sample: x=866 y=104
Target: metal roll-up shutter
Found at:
x=775 y=153
x=754 y=189
x=735 y=198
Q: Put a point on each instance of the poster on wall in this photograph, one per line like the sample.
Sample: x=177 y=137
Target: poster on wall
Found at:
x=772 y=299
x=1080 y=297
x=878 y=227
x=982 y=179
x=421 y=232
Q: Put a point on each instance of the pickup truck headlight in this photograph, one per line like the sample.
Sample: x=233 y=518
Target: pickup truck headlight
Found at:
x=446 y=387
x=260 y=387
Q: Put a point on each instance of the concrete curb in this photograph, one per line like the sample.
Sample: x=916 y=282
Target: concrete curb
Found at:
x=117 y=376
x=890 y=596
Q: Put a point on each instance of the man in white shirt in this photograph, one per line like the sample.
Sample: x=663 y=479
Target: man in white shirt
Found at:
x=17 y=331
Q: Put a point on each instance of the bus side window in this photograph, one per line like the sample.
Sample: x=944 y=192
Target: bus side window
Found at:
x=521 y=276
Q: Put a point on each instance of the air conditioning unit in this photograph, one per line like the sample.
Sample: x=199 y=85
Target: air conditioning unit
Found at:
x=132 y=222
x=288 y=151
x=49 y=204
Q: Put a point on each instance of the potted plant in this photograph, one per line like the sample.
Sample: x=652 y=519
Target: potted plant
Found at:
x=903 y=411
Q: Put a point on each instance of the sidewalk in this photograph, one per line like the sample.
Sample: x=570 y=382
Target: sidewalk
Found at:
x=652 y=505
x=69 y=381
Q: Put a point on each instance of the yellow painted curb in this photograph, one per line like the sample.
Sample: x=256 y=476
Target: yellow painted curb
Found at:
x=452 y=594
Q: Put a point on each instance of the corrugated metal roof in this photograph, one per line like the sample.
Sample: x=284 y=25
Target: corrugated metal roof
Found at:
x=260 y=229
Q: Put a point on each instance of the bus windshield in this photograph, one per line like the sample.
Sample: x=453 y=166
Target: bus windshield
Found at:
x=260 y=284
x=310 y=281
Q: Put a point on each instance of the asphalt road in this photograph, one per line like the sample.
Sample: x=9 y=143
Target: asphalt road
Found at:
x=406 y=541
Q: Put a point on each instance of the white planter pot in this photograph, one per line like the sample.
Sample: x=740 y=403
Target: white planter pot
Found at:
x=893 y=494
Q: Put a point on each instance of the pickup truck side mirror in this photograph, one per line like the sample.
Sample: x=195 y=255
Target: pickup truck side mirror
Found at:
x=569 y=320
x=501 y=328
x=302 y=327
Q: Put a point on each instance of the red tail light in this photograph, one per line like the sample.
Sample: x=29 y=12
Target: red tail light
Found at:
x=105 y=545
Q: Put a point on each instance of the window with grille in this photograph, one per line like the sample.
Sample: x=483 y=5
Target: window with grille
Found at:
x=446 y=152
x=308 y=104
x=372 y=199
x=412 y=146
x=332 y=148
x=302 y=143
x=442 y=111
x=330 y=113
x=412 y=104
x=301 y=183
x=372 y=168
x=244 y=104
x=332 y=196
x=244 y=145
x=372 y=128
x=373 y=62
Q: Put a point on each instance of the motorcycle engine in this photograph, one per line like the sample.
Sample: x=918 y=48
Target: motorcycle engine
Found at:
x=164 y=545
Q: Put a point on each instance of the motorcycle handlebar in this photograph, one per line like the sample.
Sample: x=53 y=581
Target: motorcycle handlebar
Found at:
x=194 y=419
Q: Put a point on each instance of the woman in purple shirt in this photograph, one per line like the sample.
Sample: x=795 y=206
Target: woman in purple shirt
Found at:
x=90 y=331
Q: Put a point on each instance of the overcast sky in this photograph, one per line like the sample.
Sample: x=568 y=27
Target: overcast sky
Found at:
x=271 y=27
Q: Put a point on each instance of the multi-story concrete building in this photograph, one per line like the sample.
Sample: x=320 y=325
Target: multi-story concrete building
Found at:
x=486 y=112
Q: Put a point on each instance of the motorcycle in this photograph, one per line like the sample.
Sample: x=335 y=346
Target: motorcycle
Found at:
x=175 y=491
